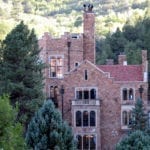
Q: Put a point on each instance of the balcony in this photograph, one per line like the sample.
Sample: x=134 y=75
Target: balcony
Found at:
x=93 y=102
x=128 y=102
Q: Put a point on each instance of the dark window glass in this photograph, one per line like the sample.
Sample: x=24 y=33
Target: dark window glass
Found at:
x=51 y=92
x=56 y=92
x=86 y=94
x=79 y=142
x=85 y=75
x=125 y=118
x=131 y=94
x=78 y=119
x=92 y=142
x=130 y=118
x=85 y=118
x=85 y=142
x=92 y=118
x=124 y=94
x=93 y=94
x=79 y=94
x=76 y=64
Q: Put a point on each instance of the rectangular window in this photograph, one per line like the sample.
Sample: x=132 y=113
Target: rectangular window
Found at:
x=56 y=66
x=86 y=142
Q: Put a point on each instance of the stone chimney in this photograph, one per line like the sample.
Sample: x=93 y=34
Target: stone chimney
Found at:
x=109 y=62
x=89 y=33
x=145 y=65
x=122 y=59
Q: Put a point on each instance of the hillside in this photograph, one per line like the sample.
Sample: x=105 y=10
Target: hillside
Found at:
x=58 y=16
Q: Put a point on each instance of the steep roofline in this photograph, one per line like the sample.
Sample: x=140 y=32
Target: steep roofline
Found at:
x=107 y=74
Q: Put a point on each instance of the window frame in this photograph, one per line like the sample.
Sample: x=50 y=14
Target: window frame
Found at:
x=53 y=94
x=88 y=140
x=128 y=89
x=82 y=89
x=82 y=118
x=128 y=109
x=56 y=66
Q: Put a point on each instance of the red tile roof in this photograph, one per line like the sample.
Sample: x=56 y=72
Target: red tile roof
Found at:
x=123 y=73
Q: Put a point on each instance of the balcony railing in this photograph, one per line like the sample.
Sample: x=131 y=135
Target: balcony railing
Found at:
x=128 y=102
x=86 y=102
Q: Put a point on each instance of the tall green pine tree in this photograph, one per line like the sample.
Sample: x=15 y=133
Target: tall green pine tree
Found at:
x=139 y=118
x=137 y=140
x=47 y=130
x=21 y=72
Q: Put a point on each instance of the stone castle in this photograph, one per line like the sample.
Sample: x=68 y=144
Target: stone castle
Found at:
x=96 y=100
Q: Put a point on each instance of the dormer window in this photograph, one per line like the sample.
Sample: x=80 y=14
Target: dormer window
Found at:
x=56 y=66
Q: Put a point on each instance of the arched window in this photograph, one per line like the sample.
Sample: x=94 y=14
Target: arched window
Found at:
x=76 y=64
x=93 y=94
x=92 y=118
x=92 y=142
x=54 y=95
x=79 y=142
x=78 y=119
x=124 y=94
x=85 y=118
x=85 y=142
x=86 y=94
x=130 y=117
x=125 y=118
x=131 y=94
x=51 y=92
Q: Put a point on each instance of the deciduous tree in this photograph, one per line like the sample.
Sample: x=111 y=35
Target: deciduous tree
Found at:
x=11 y=132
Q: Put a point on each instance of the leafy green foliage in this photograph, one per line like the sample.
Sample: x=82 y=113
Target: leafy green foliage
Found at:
x=47 y=130
x=11 y=132
x=137 y=140
x=139 y=136
x=21 y=71
x=139 y=118
x=36 y=13
x=131 y=40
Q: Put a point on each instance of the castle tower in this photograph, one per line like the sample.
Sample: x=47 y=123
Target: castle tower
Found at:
x=89 y=33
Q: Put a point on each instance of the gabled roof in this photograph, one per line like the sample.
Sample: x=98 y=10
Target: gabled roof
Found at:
x=123 y=73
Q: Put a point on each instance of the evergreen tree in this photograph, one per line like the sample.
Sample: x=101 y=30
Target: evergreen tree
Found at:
x=137 y=140
x=139 y=118
x=47 y=130
x=11 y=133
x=22 y=71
